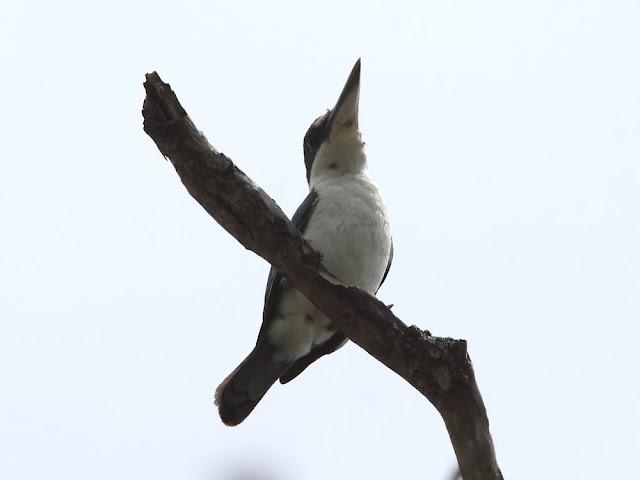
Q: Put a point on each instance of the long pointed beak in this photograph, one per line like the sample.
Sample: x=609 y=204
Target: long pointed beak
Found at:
x=345 y=113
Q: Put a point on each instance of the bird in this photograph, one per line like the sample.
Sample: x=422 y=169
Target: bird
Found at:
x=345 y=219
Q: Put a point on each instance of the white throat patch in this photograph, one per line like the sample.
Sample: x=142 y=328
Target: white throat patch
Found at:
x=342 y=155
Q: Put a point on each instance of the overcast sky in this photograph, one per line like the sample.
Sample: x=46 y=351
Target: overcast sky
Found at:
x=505 y=138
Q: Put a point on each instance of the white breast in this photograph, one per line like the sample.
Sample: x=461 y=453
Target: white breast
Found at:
x=349 y=227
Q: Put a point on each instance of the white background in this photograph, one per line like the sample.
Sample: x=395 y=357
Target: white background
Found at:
x=505 y=139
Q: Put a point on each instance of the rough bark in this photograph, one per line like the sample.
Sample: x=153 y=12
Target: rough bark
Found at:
x=439 y=368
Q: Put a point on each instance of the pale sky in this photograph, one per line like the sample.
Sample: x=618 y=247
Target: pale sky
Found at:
x=505 y=138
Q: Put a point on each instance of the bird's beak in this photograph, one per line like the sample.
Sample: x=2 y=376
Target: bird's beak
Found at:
x=345 y=113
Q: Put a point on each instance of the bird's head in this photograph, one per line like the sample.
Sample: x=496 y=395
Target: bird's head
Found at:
x=332 y=145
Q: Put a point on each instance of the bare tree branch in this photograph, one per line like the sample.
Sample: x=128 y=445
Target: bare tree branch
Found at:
x=439 y=368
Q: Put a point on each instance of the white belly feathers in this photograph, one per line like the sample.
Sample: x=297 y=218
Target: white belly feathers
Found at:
x=349 y=227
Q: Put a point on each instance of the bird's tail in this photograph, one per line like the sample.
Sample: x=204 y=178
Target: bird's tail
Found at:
x=241 y=391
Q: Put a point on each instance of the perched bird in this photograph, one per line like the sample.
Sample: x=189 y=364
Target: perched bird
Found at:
x=344 y=218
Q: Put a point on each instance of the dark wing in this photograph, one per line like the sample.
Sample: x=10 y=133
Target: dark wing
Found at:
x=335 y=342
x=274 y=289
x=386 y=272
